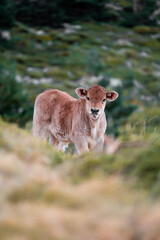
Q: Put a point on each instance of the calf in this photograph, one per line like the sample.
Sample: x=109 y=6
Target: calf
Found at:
x=65 y=119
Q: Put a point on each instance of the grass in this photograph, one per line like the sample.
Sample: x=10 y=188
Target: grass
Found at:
x=70 y=196
x=68 y=53
x=46 y=194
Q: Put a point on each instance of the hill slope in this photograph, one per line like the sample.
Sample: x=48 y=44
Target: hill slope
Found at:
x=48 y=195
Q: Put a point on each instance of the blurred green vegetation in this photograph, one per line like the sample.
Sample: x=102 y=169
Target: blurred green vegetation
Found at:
x=83 y=55
x=15 y=105
x=55 y=13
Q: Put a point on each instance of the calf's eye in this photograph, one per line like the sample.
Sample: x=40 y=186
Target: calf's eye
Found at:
x=103 y=100
x=88 y=98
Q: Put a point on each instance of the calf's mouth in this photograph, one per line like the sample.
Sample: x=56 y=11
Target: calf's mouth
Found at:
x=95 y=115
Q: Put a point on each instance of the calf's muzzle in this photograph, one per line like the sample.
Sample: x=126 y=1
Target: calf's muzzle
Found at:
x=94 y=110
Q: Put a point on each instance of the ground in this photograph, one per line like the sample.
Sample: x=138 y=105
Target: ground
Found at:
x=50 y=195
x=46 y=194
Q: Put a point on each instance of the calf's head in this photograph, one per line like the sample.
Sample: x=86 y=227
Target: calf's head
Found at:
x=96 y=98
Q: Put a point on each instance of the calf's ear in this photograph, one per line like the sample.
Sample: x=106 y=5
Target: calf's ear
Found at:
x=81 y=92
x=112 y=95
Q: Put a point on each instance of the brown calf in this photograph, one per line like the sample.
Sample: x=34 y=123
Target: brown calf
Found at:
x=65 y=119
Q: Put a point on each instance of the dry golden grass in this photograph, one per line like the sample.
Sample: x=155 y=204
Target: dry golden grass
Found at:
x=38 y=201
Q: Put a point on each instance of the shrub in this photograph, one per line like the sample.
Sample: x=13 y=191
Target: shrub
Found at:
x=15 y=105
x=94 y=63
x=118 y=111
x=148 y=119
x=129 y=18
x=54 y=13
x=7 y=16
x=142 y=29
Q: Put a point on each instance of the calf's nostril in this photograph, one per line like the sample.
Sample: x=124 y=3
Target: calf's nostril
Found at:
x=94 y=110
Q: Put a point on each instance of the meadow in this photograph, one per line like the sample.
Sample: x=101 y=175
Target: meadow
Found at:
x=47 y=194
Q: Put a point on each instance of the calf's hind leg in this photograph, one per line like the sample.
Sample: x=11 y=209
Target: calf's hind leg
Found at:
x=40 y=130
x=53 y=140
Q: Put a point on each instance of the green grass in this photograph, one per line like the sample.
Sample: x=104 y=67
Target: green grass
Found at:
x=46 y=194
x=64 y=53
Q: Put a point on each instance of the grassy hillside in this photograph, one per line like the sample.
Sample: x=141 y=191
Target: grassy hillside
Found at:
x=49 y=195
x=67 y=57
x=82 y=54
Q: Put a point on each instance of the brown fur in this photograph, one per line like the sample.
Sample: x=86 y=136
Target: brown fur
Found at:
x=66 y=119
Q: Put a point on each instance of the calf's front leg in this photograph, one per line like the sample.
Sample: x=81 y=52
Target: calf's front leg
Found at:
x=81 y=143
x=99 y=145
